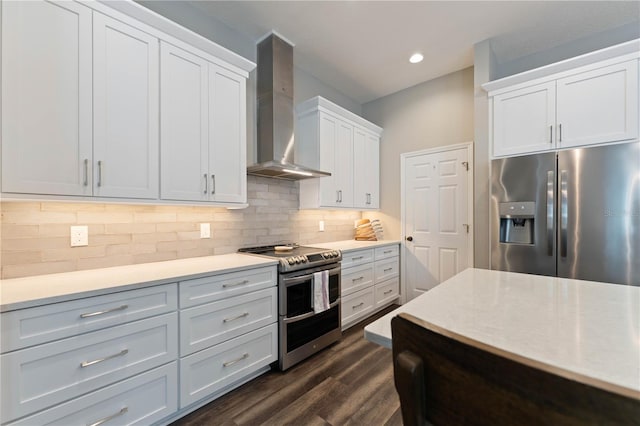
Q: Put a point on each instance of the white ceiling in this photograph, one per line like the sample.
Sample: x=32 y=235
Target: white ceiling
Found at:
x=362 y=48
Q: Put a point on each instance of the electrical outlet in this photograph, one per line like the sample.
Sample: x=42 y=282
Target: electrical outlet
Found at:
x=205 y=230
x=79 y=236
x=321 y=226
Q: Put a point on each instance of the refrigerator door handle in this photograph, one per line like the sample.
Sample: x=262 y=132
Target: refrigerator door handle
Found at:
x=563 y=213
x=550 y=210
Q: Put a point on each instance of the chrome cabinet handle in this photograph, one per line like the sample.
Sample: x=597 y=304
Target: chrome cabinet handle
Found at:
x=368 y=198
x=246 y=314
x=564 y=214
x=337 y=196
x=551 y=134
x=550 y=210
x=340 y=195
x=206 y=184
x=86 y=172
x=357 y=258
x=213 y=184
x=357 y=279
x=388 y=251
x=560 y=130
x=358 y=305
x=388 y=269
x=95 y=314
x=387 y=292
x=99 y=173
x=98 y=361
x=111 y=417
x=235 y=284
x=229 y=363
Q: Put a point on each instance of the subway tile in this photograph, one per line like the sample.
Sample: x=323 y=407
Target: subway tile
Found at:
x=105 y=262
x=130 y=228
x=73 y=253
x=32 y=244
x=154 y=217
x=21 y=257
x=37 y=217
x=40 y=268
x=105 y=217
x=19 y=231
x=176 y=227
x=155 y=257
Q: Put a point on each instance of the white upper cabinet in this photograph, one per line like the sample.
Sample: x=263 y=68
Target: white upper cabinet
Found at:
x=46 y=98
x=585 y=105
x=334 y=140
x=125 y=123
x=184 y=131
x=523 y=120
x=598 y=106
x=203 y=129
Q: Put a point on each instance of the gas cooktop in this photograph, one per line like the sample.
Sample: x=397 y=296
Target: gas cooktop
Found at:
x=293 y=257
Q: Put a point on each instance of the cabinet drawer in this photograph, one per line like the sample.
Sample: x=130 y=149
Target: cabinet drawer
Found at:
x=356 y=278
x=33 y=326
x=386 y=252
x=45 y=375
x=213 y=323
x=386 y=269
x=357 y=305
x=357 y=257
x=210 y=370
x=209 y=289
x=141 y=400
x=386 y=292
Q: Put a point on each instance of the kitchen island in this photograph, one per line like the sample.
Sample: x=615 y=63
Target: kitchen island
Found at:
x=582 y=330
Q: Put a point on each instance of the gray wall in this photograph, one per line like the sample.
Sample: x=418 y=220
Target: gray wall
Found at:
x=435 y=113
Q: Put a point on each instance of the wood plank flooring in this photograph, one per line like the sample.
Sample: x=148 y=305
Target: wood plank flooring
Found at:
x=349 y=383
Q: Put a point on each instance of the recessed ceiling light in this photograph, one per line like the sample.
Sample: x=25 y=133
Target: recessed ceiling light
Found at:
x=415 y=58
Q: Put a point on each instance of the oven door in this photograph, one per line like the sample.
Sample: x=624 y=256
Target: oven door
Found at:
x=296 y=292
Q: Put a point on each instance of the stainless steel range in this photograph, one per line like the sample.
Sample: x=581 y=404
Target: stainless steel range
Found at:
x=303 y=330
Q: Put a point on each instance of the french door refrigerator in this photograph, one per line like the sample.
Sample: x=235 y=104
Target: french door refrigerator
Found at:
x=572 y=214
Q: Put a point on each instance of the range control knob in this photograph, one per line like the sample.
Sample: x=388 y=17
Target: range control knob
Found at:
x=291 y=261
x=336 y=253
x=304 y=259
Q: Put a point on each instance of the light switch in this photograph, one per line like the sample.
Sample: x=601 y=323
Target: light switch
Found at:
x=79 y=236
x=321 y=226
x=205 y=230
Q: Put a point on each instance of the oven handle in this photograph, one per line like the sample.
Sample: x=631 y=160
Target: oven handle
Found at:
x=297 y=280
x=309 y=314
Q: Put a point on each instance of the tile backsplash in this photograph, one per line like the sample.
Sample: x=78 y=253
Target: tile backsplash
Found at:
x=35 y=235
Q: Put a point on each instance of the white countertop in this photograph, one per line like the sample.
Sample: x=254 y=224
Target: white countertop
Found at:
x=19 y=293
x=581 y=327
x=351 y=245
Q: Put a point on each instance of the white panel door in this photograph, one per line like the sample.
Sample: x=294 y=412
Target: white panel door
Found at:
x=227 y=136
x=344 y=164
x=46 y=98
x=184 y=140
x=126 y=108
x=436 y=219
x=523 y=120
x=328 y=129
x=598 y=106
x=366 y=170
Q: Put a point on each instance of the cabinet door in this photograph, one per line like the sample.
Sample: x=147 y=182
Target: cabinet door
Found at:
x=344 y=164
x=227 y=136
x=523 y=120
x=46 y=98
x=366 y=159
x=328 y=131
x=184 y=119
x=598 y=106
x=125 y=115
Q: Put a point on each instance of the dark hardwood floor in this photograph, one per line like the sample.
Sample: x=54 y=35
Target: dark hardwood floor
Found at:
x=349 y=383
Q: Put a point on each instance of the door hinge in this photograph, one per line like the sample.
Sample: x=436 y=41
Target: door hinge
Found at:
x=466 y=165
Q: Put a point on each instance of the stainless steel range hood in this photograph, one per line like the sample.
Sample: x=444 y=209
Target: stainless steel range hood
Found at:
x=275 y=114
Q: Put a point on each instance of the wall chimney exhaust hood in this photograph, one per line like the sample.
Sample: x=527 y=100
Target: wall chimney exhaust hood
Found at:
x=275 y=114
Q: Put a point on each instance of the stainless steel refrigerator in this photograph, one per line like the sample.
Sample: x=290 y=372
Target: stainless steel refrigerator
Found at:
x=573 y=214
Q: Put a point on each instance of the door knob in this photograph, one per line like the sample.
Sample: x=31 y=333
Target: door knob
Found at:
x=409 y=238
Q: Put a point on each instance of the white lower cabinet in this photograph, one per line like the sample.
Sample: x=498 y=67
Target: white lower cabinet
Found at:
x=370 y=281
x=211 y=370
x=140 y=400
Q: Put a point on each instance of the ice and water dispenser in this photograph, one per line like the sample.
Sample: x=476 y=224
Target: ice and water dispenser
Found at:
x=517 y=222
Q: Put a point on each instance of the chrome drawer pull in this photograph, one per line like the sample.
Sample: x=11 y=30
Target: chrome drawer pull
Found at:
x=388 y=291
x=235 y=284
x=357 y=279
x=388 y=269
x=106 y=419
x=358 y=305
x=246 y=314
x=85 y=181
x=99 y=173
x=388 y=251
x=229 y=363
x=357 y=258
x=98 y=361
x=95 y=314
